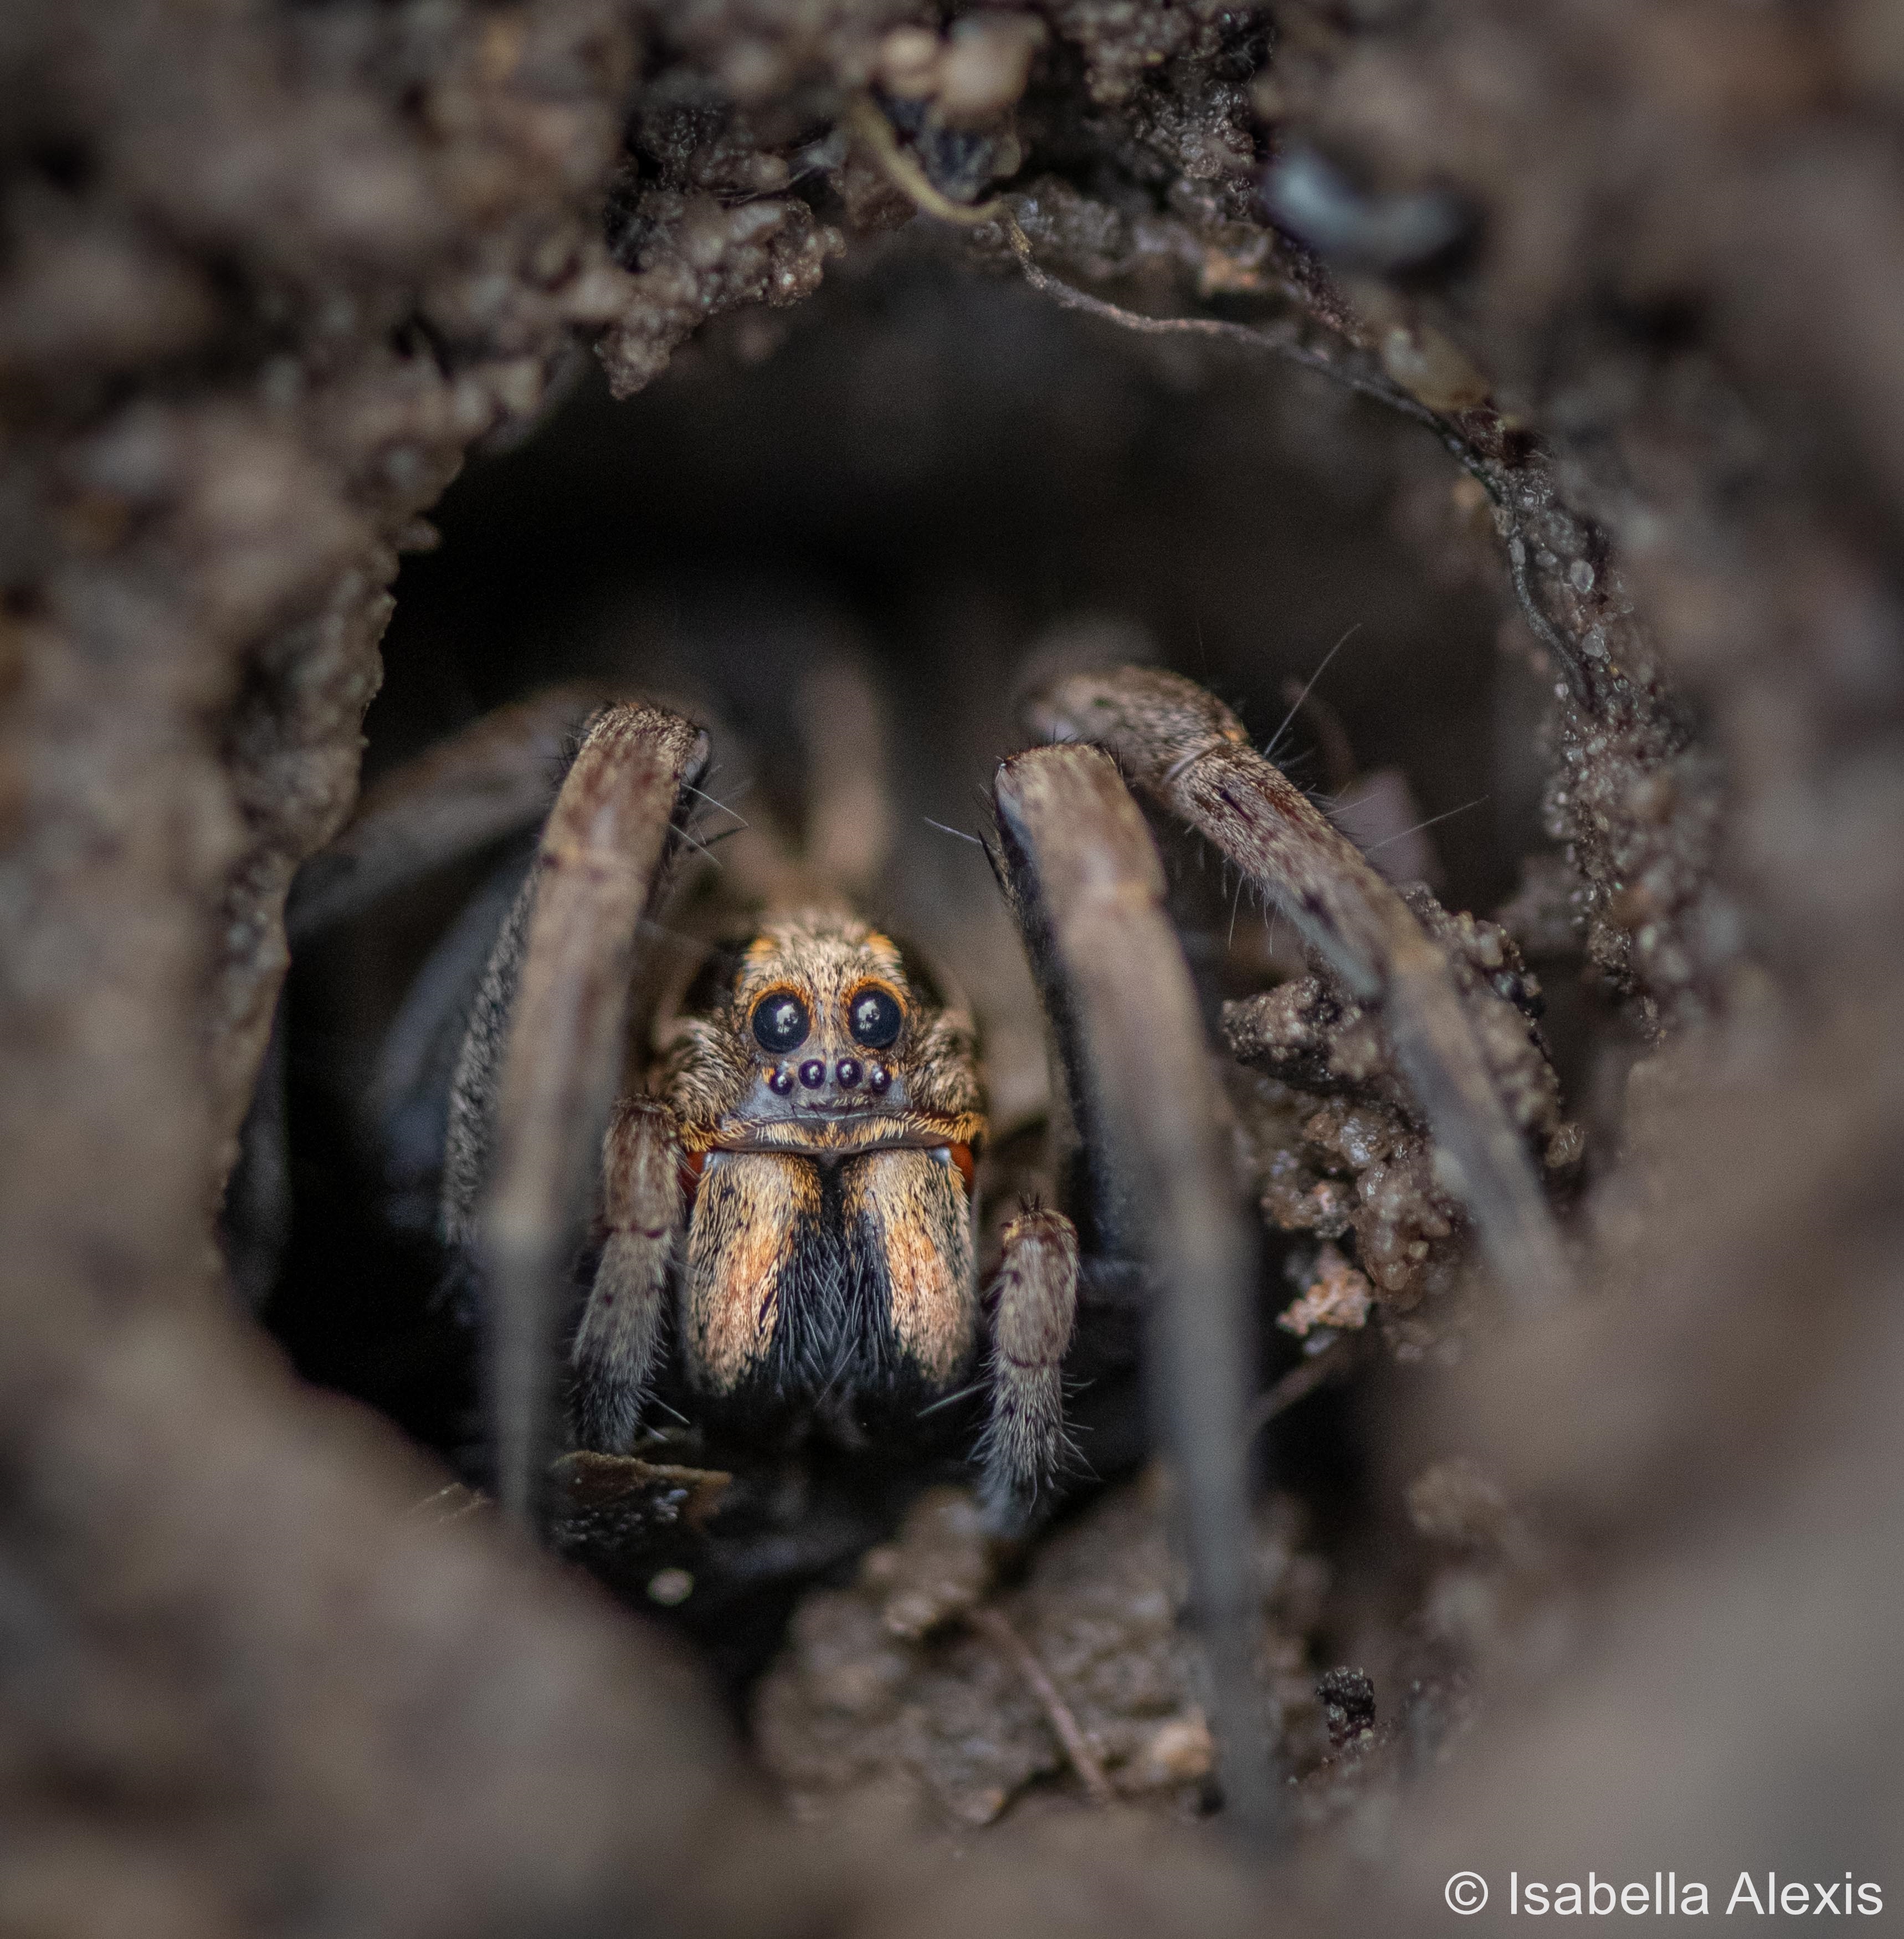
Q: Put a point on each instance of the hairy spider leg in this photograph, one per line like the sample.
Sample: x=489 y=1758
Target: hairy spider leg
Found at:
x=1034 y=1302
x=496 y=777
x=537 y=1074
x=1186 y=749
x=1084 y=880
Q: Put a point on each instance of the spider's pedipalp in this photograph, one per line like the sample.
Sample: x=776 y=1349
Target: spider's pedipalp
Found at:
x=618 y=1342
x=543 y=1055
x=1035 y=1304
x=1185 y=749
x=1083 y=877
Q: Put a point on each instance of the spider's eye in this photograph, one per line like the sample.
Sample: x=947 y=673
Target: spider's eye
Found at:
x=875 y=1017
x=780 y=1022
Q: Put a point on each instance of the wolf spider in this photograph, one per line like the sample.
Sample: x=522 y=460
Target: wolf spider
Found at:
x=781 y=1174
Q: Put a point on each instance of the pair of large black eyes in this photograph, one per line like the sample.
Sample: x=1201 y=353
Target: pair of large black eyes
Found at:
x=781 y=1023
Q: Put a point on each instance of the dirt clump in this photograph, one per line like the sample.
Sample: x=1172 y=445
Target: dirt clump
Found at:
x=883 y=1684
x=1335 y=1142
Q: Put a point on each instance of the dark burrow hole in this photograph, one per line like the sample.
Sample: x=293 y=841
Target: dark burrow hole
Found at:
x=931 y=470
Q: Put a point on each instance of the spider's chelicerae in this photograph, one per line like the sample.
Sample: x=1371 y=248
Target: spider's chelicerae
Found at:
x=780 y=1174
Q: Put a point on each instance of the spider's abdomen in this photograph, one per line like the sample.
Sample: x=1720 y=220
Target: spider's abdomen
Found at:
x=855 y=1279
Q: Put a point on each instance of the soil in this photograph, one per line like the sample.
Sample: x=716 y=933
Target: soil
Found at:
x=1554 y=348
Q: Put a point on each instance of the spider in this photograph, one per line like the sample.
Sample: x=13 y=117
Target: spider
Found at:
x=795 y=1181
x=782 y=1172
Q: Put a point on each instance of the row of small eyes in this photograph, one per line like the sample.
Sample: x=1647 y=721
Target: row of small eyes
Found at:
x=848 y=1072
x=782 y=1022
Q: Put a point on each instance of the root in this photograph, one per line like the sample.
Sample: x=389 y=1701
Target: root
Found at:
x=991 y=1625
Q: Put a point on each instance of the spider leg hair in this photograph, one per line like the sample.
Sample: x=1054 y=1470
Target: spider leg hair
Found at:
x=1085 y=881
x=542 y=1056
x=1034 y=1305
x=495 y=778
x=619 y=1343
x=1188 y=752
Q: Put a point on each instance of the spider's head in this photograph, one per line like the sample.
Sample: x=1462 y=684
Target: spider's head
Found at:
x=821 y=1008
x=820 y=1033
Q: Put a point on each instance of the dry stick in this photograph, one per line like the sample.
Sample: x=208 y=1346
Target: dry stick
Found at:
x=1335 y=1362
x=1281 y=340
x=599 y=855
x=1087 y=887
x=992 y=1623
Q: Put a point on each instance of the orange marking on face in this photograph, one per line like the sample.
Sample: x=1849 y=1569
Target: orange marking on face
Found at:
x=968 y=1170
x=781 y=986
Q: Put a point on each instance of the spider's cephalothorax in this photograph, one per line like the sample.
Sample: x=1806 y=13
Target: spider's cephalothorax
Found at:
x=828 y=1108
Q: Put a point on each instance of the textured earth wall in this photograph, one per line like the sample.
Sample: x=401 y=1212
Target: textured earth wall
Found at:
x=269 y=272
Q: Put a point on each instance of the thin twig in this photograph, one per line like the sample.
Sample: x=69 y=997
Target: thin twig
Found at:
x=1335 y=1360
x=1281 y=340
x=991 y=1623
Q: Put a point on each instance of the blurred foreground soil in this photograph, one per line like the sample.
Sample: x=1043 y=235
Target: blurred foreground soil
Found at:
x=1622 y=1581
